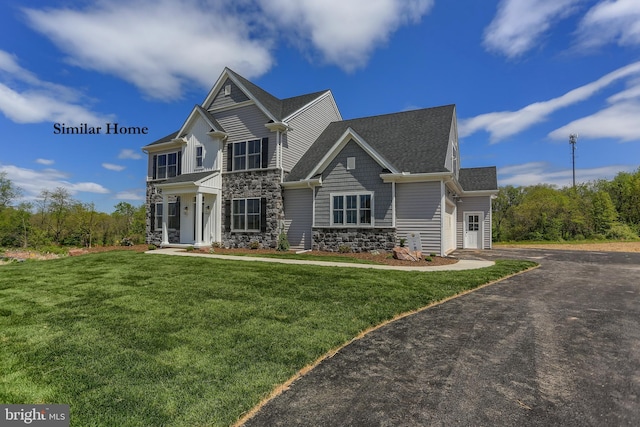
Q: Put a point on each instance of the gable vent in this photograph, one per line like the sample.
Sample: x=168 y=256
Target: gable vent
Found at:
x=227 y=90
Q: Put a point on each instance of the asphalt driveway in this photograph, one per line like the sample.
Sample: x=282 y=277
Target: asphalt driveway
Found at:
x=559 y=345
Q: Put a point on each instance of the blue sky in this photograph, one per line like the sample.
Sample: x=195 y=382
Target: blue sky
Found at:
x=524 y=74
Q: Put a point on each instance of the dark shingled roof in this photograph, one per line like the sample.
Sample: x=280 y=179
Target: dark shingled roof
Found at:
x=164 y=139
x=188 y=177
x=412 y=141
x=208 y=115
x=478 y=179
x=279 y=108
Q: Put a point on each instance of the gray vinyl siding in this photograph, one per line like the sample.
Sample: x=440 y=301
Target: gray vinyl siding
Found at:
x=243 y=124
x=418 y=210
x=298 y=215
x=307 y=126
x=364 y=178
x=221 y=100
x=475 y=204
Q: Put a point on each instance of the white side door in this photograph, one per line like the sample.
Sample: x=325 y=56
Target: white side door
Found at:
x=472 y=230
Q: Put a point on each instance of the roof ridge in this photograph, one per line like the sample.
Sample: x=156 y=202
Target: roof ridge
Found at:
x=397 y=113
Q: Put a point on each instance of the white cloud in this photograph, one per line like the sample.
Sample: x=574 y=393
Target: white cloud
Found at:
x=610 y=21
x=130 y=195
x=163 y=46
x=129 y=154
x=157 y=45
x=504 y=124
x=519 y=24
x=26 y=99
x=113 y=167
x=345 y=32
x=45 y=161
x=535 y=173
x=620 y=121
x=34 y=181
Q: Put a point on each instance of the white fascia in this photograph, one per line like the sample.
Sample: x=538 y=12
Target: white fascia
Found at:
x=174 y=143
x=479 y=193
x=347 y=136
x=303 y=183
x=415 y=177
x=313 y=102
x=278 y=126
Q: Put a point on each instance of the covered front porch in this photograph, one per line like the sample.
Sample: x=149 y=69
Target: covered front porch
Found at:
x=196 y=212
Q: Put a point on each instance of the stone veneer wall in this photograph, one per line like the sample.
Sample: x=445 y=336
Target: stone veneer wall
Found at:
x=258 y=183
x=359 y=239
x=154 y=237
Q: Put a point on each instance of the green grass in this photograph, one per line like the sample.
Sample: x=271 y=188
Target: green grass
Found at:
x=131 y=339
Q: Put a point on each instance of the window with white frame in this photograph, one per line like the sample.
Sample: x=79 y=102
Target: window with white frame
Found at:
x=166 y=165
x=173 y=217
x=199 y=156
x=246 y=214
x=351 y=209
x=247 y=155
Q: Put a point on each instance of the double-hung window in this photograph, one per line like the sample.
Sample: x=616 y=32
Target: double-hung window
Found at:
x=166 y=165
x=247 y=155
x=173 y=218
x=351 y=209
x=246 y=214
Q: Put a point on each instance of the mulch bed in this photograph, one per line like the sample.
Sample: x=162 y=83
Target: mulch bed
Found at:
x=381 y=258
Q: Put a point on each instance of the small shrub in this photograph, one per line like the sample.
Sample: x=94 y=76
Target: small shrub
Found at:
x=254 y=245
x=190 y=249
x=216 y=245
x=621 y=231
x=428 y=259
x=283 y=242
x=344 y=249
x=432 y=254
x=402 y=242
x=152 y=247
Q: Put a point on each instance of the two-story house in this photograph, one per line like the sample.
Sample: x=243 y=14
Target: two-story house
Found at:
x=246 y=166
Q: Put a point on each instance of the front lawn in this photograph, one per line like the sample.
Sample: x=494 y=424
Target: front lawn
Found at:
x=129 y=339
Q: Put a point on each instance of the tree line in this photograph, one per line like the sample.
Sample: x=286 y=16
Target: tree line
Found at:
x=600 y=209
x=56 y=219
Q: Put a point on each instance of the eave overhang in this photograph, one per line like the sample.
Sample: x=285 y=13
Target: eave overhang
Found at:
x=415 y=177
x=303 y=183
x=174 y=143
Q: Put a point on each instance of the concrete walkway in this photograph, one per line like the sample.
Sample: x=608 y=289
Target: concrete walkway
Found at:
x=463 y=264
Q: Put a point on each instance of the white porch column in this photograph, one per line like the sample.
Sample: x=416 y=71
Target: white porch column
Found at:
x=165 y=225
x=198 y=219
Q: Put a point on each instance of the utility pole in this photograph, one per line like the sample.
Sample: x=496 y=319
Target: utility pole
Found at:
x=573 y=139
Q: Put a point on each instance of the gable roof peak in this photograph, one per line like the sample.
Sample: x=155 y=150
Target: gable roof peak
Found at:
x=275 y=108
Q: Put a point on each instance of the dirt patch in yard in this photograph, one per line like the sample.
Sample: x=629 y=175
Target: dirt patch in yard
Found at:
x=593 y=247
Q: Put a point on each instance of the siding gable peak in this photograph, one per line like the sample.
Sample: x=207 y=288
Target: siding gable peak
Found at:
x=199 y=112
x=350 y=135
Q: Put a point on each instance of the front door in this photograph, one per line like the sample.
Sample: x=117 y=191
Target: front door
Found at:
x=472 y=230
